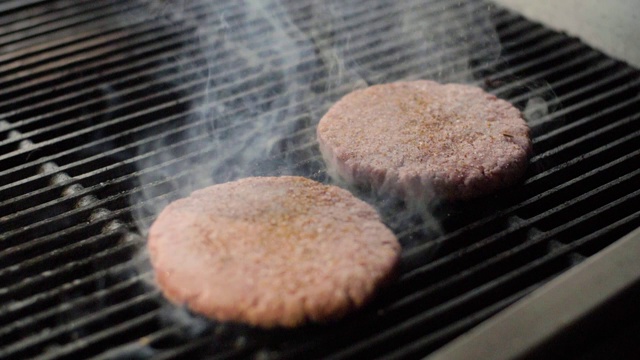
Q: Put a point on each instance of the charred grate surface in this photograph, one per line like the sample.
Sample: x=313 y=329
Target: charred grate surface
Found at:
x=89 y=88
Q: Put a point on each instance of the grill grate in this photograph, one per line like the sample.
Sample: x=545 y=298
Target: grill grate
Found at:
x=90 y=87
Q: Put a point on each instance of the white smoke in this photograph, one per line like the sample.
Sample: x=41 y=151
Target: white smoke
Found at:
x=270 y=70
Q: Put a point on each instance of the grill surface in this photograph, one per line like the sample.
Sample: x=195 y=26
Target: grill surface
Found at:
x=89 y=88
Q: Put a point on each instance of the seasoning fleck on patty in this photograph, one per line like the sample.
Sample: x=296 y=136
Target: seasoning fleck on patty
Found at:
x=271 y=251
x=421 y=139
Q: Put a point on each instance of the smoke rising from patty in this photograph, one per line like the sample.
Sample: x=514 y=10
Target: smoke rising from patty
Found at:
x=264 y=73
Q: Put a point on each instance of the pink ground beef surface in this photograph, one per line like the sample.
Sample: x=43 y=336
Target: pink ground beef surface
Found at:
x=421 y=139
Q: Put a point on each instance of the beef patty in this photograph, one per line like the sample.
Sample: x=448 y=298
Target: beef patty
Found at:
x=418 y=139
x=271 y=251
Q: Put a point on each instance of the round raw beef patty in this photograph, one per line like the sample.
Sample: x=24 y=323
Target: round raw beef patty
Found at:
x=421 y=138
x=271 y=251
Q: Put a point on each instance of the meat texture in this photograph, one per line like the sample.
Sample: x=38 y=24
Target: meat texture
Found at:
x=271 y=251
x=422 y=139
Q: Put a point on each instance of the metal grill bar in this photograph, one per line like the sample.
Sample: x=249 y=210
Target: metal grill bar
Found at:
x=198 y=70
x=38 y=16
x=586 y=138
x=444 y=332
x=36 y=319
x=27 y=18
x=603 y=130
x=542 y=194
x=190 y=348
x=26 y=305
x=28 y=343
x=95 y=339
x=39 y=282
x=29 y=37
x=16 y=4
x=94 y=46
x=185 y=31
x=151 y=338
x=73 y=134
